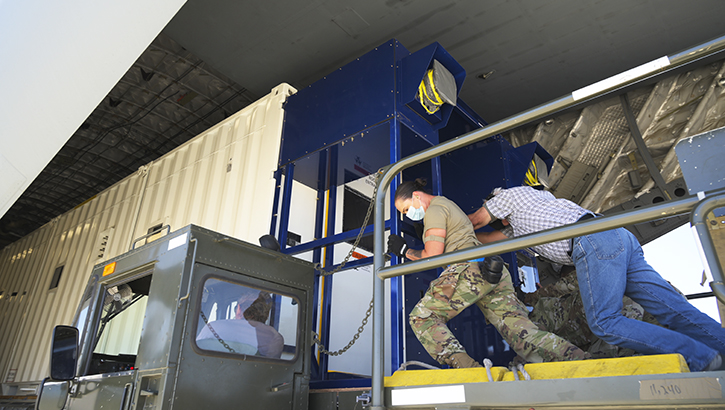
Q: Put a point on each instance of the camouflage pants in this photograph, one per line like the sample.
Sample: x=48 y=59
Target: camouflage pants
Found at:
x=565 y=316
x=462 y=285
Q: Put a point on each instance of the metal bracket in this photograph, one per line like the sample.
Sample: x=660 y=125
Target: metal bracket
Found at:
x=191 y=275
x=280 y=387
x=133 y=243
x=364 y=398
x=642 y=147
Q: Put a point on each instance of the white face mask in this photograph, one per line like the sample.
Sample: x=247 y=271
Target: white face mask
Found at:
x=415 y=214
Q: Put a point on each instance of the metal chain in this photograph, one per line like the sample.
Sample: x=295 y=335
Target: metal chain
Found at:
x=323 y=350
x=318 y=267
x=203 y=316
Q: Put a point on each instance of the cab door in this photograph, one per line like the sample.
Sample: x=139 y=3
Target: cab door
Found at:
x=245 y=345
x=107 y=376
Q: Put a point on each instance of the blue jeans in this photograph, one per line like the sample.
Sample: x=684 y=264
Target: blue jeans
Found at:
x=610 y=265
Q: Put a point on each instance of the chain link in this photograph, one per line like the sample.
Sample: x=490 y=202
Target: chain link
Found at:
x=323 y=350
x=203 y=316
x=355 y=244
x=318 y=267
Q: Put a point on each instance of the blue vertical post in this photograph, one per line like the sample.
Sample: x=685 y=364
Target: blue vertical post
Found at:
x=317 y=253
x=436 y=171
x=329 y=258
x=397 y=314
x=286 y=201
x=320 y=206
x=275 y=319
x=275 y=204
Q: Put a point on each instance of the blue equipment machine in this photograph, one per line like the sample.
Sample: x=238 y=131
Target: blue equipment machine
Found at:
x=364 y=116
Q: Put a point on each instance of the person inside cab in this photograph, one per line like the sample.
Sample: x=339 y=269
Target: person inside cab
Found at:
x=248 y=332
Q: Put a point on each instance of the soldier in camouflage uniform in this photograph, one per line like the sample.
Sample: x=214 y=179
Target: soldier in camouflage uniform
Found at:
x=462 y=285
x=446 y=229
x=558 y=308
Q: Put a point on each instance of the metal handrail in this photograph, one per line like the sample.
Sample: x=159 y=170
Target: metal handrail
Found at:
x=135 y=241
x=698 y=222
x=626 y=218
x=603 y=87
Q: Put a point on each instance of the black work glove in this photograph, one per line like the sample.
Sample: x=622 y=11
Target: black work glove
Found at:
x=397 y=245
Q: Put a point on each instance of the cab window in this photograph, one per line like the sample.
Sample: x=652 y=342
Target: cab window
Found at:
x=118 y=332
x=239 y=319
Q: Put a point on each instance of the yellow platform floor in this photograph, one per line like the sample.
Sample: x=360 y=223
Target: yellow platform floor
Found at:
x=624 y=366
x=443 y=376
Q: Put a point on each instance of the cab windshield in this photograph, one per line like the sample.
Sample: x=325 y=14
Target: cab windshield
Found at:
x=119 y=329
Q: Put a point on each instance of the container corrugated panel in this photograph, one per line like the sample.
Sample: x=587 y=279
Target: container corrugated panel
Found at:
x=222 y=179
x=21 y=265
x=73 y=243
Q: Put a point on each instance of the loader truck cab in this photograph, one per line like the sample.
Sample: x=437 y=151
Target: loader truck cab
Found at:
x=192 y=320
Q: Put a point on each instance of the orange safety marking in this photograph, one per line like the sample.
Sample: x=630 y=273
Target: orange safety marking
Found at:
x=109 y=269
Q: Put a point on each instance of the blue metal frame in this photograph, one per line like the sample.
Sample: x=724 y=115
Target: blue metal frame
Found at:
x=397 y=319
x=342 y=120
x=275 y=203
x=286 y=201
x=317 y=252
x=411 y=71
x=329 y=259
x=331 y=240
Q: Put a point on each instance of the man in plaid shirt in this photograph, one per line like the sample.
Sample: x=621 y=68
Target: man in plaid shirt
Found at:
x=609 y=265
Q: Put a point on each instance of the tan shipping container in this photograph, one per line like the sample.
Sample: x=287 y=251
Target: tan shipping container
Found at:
x=222 y=180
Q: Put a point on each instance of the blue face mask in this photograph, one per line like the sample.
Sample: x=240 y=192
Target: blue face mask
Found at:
x=415 y=214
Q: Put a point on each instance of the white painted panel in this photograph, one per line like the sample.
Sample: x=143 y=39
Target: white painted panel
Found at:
x=351 y=295
x=303 y=206
x=78 y=50
x=428 y=395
